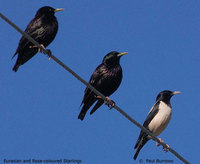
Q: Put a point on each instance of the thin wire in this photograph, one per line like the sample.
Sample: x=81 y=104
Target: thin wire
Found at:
x=48 y=52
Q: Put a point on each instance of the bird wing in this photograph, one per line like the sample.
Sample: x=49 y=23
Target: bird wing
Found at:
x=97 y=105
x=153 y=111
x=35 y=30
x=89 y=96
x=34 y=24
x=106 y=79
x=96 y=77
x=143 y=137
x=95 y=80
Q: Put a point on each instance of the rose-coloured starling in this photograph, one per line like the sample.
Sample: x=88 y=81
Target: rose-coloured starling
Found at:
x=106 y=79
x=43 y=28
x=157 y=119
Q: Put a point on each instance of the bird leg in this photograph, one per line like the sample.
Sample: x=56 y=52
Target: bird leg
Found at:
x=108 y=101
x=160 y=141
x=165 y=148
x=40 y=49
x=49 y=53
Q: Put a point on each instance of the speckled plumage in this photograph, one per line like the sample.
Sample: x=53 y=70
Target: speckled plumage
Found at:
x=43 y=28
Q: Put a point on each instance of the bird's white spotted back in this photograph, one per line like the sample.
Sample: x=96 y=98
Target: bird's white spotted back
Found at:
x=161 y=120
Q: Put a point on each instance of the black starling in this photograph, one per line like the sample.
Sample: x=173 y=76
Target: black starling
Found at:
x=106 y=79
x=157 y=119
x=43 y=28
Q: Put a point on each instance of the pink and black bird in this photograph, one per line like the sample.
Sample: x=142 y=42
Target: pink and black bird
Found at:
x=157 y=119
x=43 y=29
x=106 y=79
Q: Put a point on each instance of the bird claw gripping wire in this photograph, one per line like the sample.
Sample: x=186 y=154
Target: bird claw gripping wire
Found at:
x=165 y=148
x=39 y=49
x=110 y=103
x=49 y=53
x=160 y=141
x=83 y=81
x=43 y=50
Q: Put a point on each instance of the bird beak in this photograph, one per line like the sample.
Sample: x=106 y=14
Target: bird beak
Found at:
x=56 y=10
x=176 y=92
x=121 y=54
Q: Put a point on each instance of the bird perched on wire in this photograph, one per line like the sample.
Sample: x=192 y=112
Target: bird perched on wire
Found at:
x=157 y=119
x=43 y=28
x=106 y=79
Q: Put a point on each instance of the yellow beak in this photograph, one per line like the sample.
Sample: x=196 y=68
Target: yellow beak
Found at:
x=121 y=54
x=56 y=10
x=176 y=92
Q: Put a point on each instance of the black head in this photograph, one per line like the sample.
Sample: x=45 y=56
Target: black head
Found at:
x=113 y=57
x=47 y=10
x=166 y=95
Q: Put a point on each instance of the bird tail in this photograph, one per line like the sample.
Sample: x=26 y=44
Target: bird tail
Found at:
x=87 y=102
x=137 y=152
x=16 y=66
x=82 y=114
x=86 y=105
x=97 y=105
x=14 y=54
x=140 y=143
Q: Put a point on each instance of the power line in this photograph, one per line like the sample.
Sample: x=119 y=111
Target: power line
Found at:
x=48 y=52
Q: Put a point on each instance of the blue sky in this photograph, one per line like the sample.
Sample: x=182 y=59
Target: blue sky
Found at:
x=40 y=103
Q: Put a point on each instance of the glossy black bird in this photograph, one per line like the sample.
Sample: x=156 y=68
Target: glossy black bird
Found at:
x=157 y=119
x=43 y=28
x=106 y=79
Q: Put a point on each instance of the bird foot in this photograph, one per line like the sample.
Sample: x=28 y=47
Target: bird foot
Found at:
x=49 y=53
x=160 y=141
x=165 y=148
x=39 y=49
x=42 y=50
x=110 y=103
